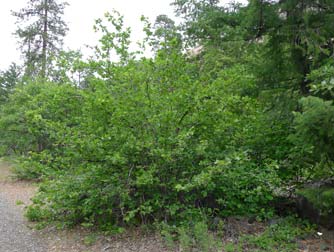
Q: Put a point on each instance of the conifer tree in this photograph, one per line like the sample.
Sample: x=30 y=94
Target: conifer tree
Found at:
x=41 y=30
x=8 y=80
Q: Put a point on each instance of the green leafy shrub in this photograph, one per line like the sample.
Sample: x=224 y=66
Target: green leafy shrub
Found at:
x=28 y=169
x=134 y=160
x=36 y=123
x=236 y=186
x=147 y=140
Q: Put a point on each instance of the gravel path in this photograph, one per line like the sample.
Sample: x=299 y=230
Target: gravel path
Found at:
x=15 y=236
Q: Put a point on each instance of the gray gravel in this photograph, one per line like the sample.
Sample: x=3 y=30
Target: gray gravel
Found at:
x=15 y=236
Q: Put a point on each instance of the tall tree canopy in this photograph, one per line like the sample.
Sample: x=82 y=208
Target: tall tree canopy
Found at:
x=40 y=32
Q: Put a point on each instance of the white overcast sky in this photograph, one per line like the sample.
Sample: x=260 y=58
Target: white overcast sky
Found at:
x=80 y=16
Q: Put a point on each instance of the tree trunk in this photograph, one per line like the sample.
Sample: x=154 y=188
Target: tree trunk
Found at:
x=45 y=40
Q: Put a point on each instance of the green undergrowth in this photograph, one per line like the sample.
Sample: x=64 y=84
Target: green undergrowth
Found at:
x=282 y=236
x=193 y=237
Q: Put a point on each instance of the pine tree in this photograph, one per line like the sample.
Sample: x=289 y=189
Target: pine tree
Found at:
x=8 y=80
x=300 y=38
x=41 y=30
x=166 y=32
